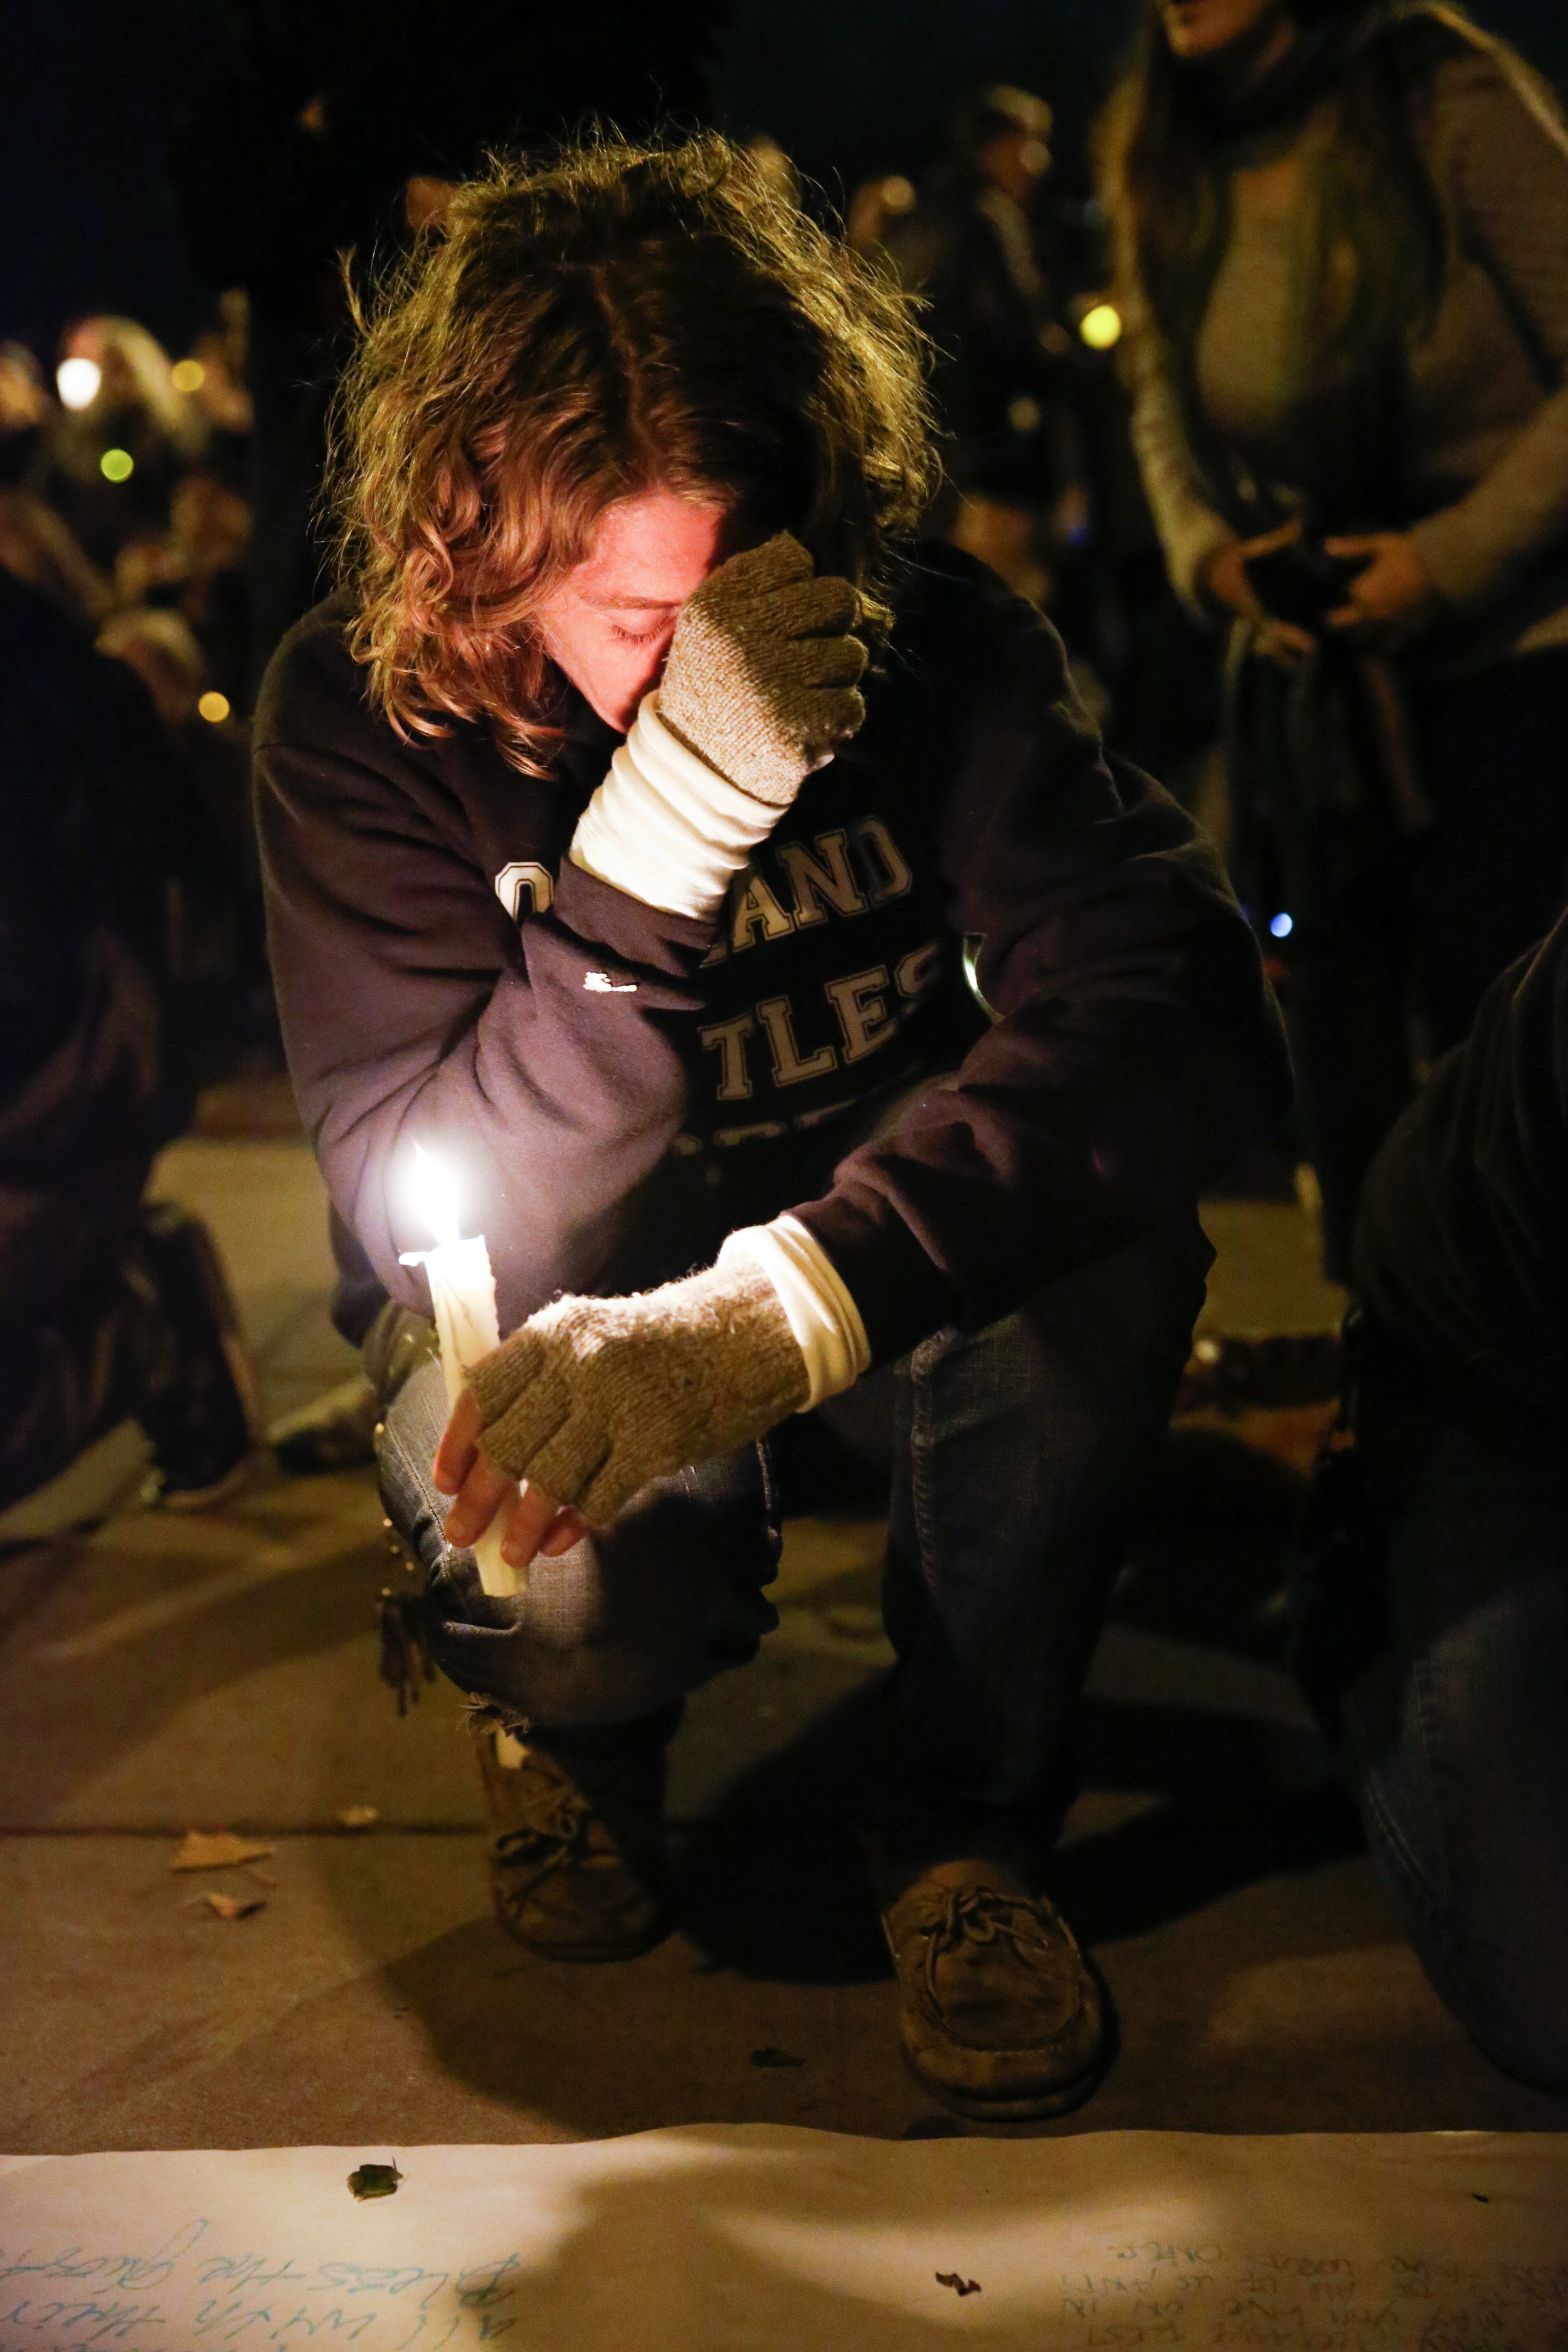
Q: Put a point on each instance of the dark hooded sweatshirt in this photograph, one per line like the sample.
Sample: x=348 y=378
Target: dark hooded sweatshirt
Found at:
x=970 y=889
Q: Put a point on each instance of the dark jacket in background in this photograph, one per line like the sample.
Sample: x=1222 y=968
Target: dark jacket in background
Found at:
x=1461 y=1258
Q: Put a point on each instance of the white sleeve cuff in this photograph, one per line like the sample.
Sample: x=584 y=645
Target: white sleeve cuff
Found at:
x=822 y=1315
x=665 y=827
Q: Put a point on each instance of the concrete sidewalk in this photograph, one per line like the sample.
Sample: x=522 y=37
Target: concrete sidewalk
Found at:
x=159 y=1675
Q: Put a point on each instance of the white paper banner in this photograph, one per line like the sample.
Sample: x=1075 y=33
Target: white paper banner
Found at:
x=755 y=2237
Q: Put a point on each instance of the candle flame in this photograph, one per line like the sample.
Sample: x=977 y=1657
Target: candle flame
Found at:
x=435 y=1196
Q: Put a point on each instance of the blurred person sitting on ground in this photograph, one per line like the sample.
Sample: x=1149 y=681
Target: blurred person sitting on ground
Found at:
x=210 y=532
x=216 y=954
x=35 y=544
x=1433 y=1622
x=1343 y=241
x=114 y=1307
x=220 y=358
x=966 y=248
x=601 y=860
x=137 y=412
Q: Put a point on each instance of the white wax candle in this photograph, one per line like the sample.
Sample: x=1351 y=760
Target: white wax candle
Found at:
x=463 y=1290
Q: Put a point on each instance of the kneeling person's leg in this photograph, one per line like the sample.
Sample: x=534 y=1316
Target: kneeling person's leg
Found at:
x=1458 y=1740
x=580 y=1678
x=1023 y=1450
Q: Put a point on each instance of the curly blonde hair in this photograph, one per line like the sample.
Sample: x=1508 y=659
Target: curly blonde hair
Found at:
x=576 y=332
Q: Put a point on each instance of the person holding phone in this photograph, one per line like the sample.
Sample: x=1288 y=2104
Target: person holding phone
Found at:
x=1342 y=236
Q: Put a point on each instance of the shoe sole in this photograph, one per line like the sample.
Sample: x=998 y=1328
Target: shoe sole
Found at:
x=1037 y=2109
x=588 y=1954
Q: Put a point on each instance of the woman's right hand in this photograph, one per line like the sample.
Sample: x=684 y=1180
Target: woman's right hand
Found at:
x=763 y=679
x=1222 y=581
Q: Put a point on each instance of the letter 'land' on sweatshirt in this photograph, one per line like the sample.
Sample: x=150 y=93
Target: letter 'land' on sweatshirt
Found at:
x=821 y=881
x=758 y=914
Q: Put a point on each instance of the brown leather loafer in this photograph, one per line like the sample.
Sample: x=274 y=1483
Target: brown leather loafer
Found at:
x=1000 y=2017
x=575 y=1875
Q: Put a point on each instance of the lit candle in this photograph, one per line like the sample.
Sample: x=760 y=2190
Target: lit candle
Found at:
x=463 y=1291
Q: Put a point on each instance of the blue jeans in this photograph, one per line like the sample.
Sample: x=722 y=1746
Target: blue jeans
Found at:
x=1457 y=1731
x=1021 y=1452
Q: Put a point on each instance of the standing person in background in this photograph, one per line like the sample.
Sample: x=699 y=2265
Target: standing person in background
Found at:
x=1342 y=231
x=1011 y=452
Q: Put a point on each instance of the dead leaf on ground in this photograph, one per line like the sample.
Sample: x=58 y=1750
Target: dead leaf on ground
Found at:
x=359 y=1817
x=230 y=1906
x=956 y=2281
x=216 y=1850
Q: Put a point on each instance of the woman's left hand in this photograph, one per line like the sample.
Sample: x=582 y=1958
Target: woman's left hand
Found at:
x=1392 y=598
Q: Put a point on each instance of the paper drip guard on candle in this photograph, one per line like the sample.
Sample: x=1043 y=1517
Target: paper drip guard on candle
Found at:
x=463 y=1293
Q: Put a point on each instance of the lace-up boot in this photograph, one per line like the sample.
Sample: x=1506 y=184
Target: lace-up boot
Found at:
x=576 y=1851
x=1002 y=2018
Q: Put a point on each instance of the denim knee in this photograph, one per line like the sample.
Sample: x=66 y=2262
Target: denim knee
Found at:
x=1505 y=1981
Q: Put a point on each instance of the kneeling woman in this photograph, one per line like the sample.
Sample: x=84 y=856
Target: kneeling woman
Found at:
x=719 y=882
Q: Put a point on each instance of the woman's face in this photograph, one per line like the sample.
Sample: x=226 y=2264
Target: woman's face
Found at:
x=609 y=622
x=1203 y=28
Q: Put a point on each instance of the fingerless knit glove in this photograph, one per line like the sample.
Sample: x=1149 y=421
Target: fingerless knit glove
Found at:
x=762 y=674
x=592 y=1398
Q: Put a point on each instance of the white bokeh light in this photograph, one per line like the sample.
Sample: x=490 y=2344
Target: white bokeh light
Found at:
x=76 y=382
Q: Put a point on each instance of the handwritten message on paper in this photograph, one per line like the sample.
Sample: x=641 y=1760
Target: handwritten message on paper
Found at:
x=1155 y=2295
x=191 y=2293
x=756 y=2237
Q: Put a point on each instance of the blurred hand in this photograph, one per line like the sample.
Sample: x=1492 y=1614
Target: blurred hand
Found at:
x=1392 y=598
x=1223 y=579
x=536 y=1526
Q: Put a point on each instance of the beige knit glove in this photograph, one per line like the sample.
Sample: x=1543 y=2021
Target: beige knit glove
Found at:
x=592 y=1398
x=763 y=672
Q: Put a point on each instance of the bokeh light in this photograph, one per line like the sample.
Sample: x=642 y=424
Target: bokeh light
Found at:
x=213 y=707
x=76 y=382
x=1100 y=326
x=117 y=465
x=188 y=375
x=1281 y=926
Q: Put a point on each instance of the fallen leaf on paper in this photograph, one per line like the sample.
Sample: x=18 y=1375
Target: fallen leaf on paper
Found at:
x=359 y=1817
x=375 y=2180
x=961 y=2284
x=231 y=1907
x=216 y=1850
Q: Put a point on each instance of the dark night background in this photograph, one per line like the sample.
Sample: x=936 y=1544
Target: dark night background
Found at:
x=97 y=94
